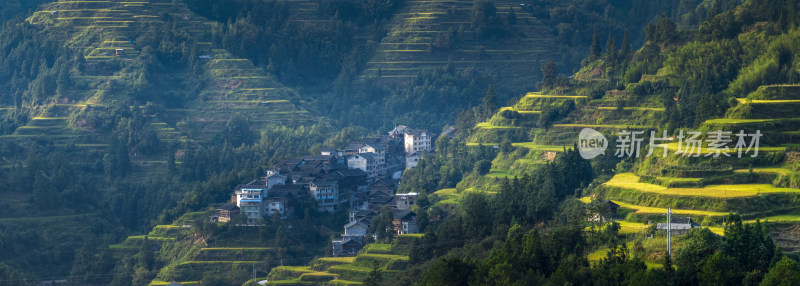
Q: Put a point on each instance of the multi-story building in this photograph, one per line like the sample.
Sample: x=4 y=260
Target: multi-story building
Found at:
x=273 y=178
x=367 y=162
x=416 y=140
x=405 y=201
x=274 y=206
x=326 y=193
x=249 y=199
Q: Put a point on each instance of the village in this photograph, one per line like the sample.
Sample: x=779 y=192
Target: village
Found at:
x=360 y=179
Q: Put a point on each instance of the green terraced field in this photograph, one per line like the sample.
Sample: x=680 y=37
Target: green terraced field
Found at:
x=776 y=170
x=161 y=283
x=529 y=145
x=765 y=101
x=631 y=181
x=632 y=108
x=703 y=150
x=655 y=210
x=496 y=173
x=486 y=125
x=779 y=218
x=603 y=126
x=737 y=121
x=343 y=259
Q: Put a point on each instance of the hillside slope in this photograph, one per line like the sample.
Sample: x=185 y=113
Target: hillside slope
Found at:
x=116 y=41
x=655 y=89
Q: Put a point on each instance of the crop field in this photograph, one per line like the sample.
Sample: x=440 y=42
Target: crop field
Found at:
x=774 y=170
x=632 y=108
x=486 y=125
x=339 y=259
x=496 y=173
x=795 y=217
x=407 y=48
x=539 y=95
x=655 y=210
x=603 y=126
x=703 y=150
x=631 y=181
x=529 y=145
x=767 y=101
x=162 y=283
x=236 y=248
x=671 y=180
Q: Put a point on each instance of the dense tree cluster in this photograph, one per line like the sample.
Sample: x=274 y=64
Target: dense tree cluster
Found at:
x=296 y=52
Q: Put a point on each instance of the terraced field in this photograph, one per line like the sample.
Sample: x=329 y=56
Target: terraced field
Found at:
x=391 y=258
x=105 y=31
x=702 y=187
x=407 y=49
x=193 y=260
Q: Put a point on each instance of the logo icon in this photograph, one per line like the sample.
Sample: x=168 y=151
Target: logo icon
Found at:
x=591 y=143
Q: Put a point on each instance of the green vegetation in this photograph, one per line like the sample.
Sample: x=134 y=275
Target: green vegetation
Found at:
x=631 y=181
x=96 y=146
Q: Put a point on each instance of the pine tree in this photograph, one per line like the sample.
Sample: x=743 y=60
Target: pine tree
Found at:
x=595 y=45
x=626 y=45
x=374 y=278
x=667 y=263
x=611 y=48
x=489 y=103
x=548 y=74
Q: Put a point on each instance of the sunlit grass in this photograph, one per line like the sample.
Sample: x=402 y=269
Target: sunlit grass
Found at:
x=626 y=227
x=717 y=230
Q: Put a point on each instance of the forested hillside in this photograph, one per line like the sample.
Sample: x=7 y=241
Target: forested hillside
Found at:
x=735 y=72
x=123 y=122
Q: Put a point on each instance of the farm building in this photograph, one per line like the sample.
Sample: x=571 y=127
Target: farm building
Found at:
x=679 y=226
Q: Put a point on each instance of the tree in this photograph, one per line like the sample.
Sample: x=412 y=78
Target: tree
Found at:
x=237 y=132
x=785 y=272
x=448 y=271
x=548 y=74
x=146 y=257
x=668 y=269
x=375 y=277
x=483 y=167
x=489 y=103
x=14 y=277
x=611 y=48
x=382 y=223
x=720 y=269
x=171 y=159
x=626 y=45
x=595 y=49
